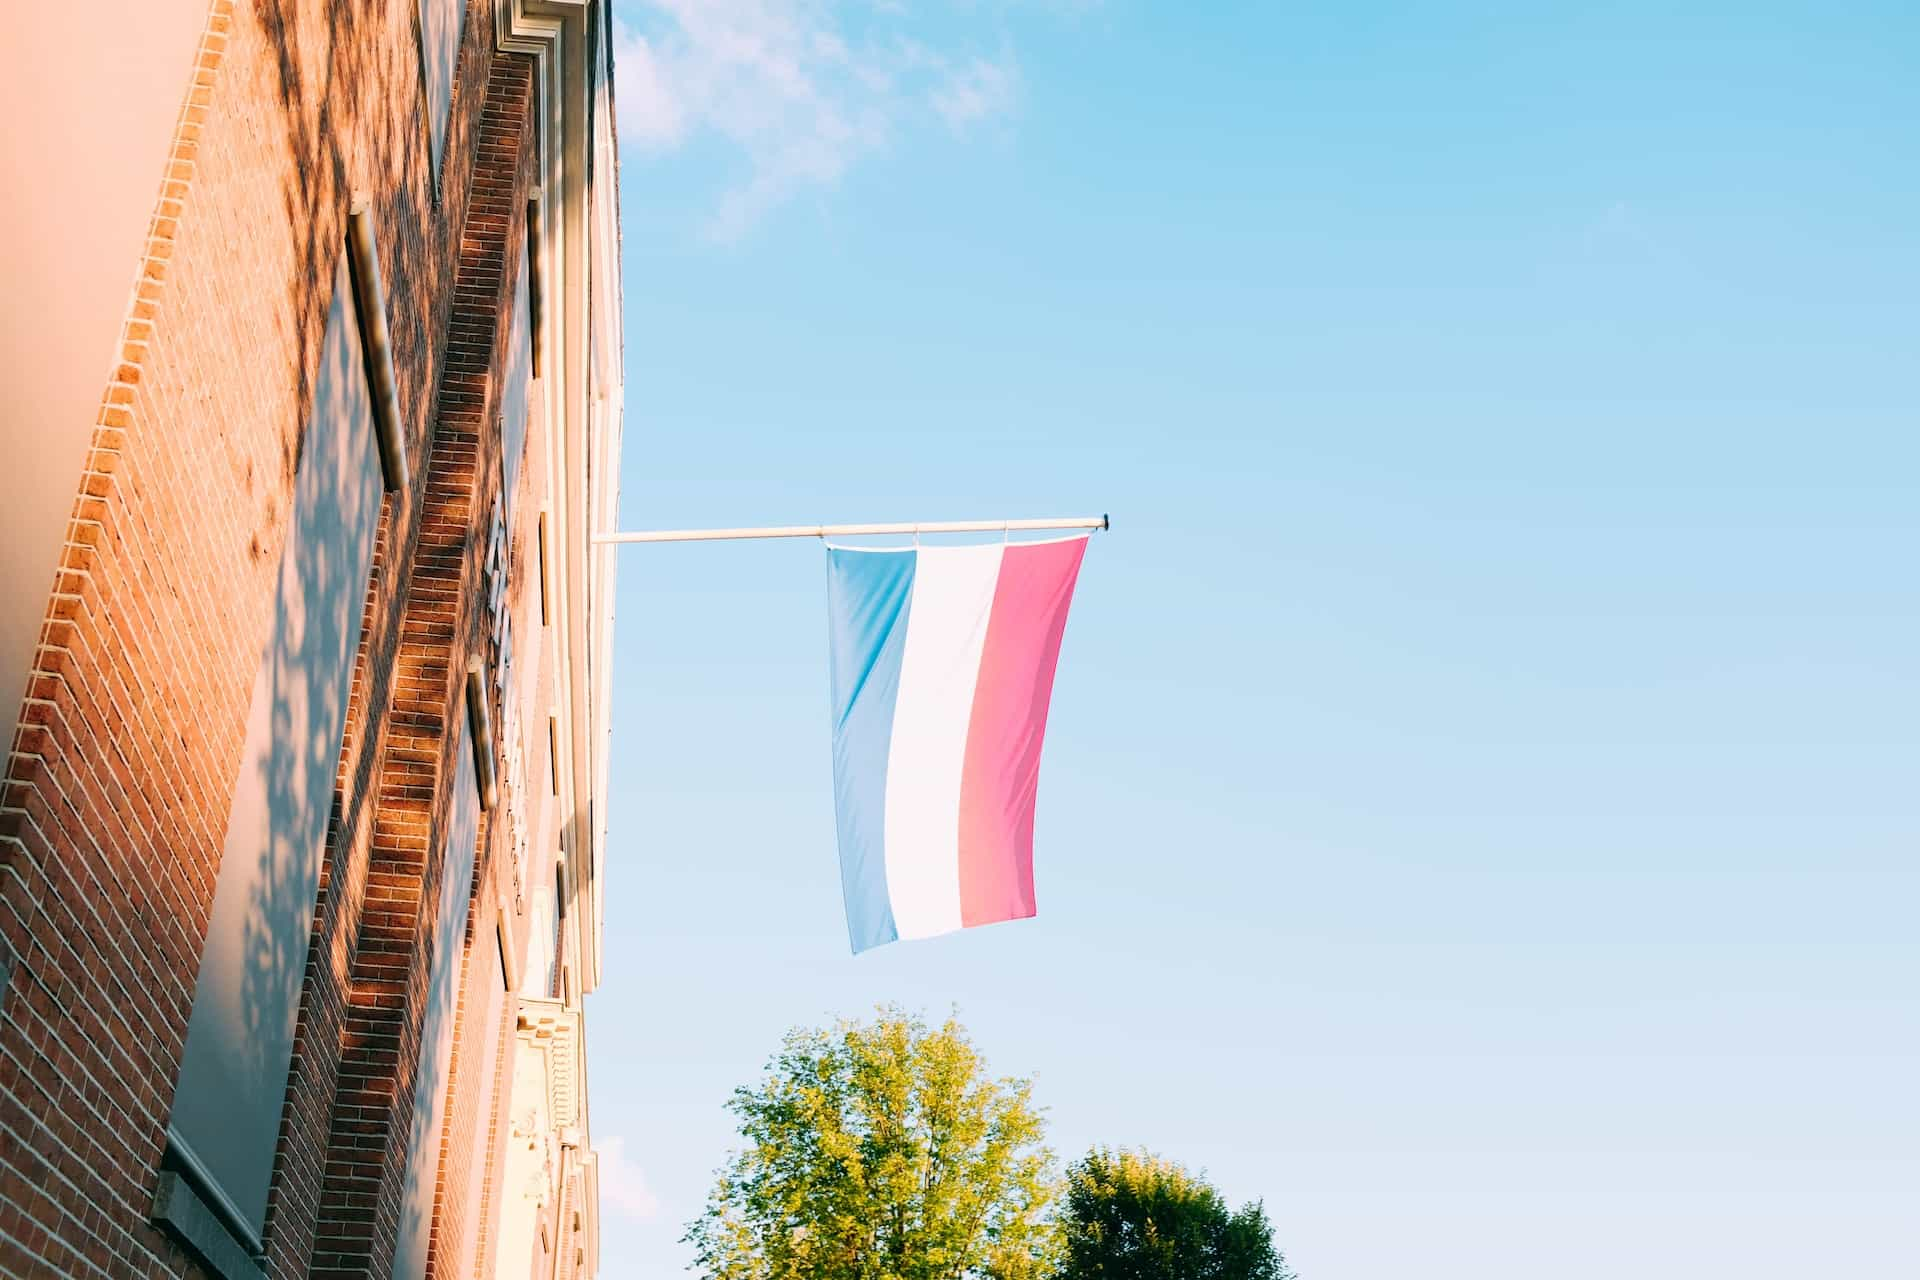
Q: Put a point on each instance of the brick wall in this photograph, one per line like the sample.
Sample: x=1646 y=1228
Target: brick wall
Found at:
x=121 y=772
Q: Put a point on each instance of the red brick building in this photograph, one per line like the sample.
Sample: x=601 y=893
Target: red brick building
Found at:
x=312 y=343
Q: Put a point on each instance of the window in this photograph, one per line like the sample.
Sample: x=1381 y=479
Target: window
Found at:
x=225 y=1121
x=564 y=990
x=515 y=387
x=444 y=966
x=441 y=22
x=542 y=974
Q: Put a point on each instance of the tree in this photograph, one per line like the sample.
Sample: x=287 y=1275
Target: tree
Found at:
x=1133 y=1216
x=881 y=1151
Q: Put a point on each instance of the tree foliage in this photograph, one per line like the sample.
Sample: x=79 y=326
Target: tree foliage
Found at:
x=1133 y=1216
x=881 y=1151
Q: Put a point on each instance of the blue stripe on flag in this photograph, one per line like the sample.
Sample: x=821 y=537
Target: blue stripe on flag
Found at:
x=869 y=594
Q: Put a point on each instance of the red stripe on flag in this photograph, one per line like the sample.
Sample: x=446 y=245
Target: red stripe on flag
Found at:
x=1002 y=771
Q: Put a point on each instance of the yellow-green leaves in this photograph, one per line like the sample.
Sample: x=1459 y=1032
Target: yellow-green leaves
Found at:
x=882 y=1150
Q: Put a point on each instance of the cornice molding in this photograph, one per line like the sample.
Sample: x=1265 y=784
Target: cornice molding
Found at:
x=550 y=1028
x=574 y=244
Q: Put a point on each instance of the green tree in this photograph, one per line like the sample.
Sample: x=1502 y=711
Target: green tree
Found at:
x=1133 y=1216
x=881 y=1151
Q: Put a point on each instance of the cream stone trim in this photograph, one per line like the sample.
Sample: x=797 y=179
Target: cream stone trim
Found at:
x=550 y=1028
x=573 y=249
x=580 y=383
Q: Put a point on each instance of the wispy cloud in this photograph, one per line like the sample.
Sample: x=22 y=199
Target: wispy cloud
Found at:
x=801 y=89
x=983 y=88
x=623 y=1184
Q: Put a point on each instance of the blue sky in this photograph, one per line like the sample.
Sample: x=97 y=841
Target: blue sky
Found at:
x=1478 y=814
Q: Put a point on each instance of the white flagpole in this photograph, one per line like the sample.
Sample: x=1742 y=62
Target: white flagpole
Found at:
x=852 y=530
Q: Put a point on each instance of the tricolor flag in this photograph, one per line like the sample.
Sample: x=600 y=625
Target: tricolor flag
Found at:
x=943 y=662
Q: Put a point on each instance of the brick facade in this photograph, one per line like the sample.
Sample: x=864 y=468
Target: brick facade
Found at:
x=122 y=767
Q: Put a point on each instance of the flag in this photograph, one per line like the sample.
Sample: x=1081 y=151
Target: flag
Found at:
x=943 y=661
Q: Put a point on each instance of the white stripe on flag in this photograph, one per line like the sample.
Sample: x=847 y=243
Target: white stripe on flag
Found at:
x=946 y=632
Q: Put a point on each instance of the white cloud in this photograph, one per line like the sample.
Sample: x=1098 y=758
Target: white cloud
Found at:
x=623 y=1184
x=650 y=115
x=800 y=90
